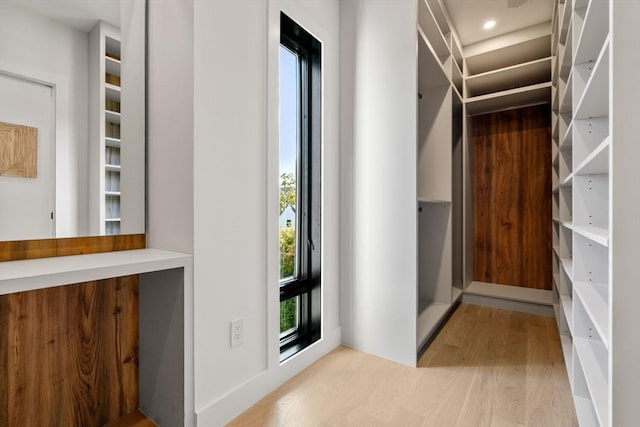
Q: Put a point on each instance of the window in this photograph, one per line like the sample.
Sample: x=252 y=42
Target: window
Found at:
x=300 y=152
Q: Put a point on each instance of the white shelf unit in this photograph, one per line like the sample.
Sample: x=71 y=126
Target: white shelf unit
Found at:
x=564 y=11
x=527 y=95
x=513 y=75
x=105 y=136
x=428 y=24
x=439 y=172
x=583 y=113
x=519 y=75
x=112 y=168
x=508 y=55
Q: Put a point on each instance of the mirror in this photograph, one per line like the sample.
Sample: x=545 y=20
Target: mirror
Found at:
x=72 y=118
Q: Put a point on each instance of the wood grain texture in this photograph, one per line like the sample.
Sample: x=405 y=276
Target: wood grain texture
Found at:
x=18 y=150
x=69 y=354
x=46 y=248
x=134 y=419
x=512 y=197
x=486 y=368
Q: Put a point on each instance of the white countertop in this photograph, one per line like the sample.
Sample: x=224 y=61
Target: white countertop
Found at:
x=26 y=275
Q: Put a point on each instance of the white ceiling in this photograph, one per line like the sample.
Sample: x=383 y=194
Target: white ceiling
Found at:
x=468 y=16
x=80 y=14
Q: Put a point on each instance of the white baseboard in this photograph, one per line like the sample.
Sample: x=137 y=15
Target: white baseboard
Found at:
x=225 y=409
x=508 y=304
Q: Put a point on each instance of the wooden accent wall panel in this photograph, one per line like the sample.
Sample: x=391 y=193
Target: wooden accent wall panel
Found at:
x=46 y=248
x=512 y=197
x=69 y=354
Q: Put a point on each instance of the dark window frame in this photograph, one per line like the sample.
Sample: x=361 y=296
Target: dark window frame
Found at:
x=306 y=283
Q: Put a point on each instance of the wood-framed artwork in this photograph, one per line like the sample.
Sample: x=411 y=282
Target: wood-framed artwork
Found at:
x=18 y=150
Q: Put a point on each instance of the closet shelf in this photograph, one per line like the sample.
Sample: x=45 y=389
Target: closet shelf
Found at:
x=112 y=142
x=597 y=162
x=435 y=201
x=457 y=93
x=517 y=53
x=564 y=22
x=112 y=116
x=565 y=59
x=596 y=90
x=555 y=34
x=112 y=65
x=432 y=74
x=567 y=351
x=585 y=412
x=509 y=98
x=439 y=16
x=428 y=24
x=567 y=265
x=566 y=224
x=567 y=309
x=595 y=300
x=596 y=234
x=567 y=181
x=525 y=74
x=566 y=102
x=593 y=355
x=594 y=32
x=112 y=92
x=566 y=144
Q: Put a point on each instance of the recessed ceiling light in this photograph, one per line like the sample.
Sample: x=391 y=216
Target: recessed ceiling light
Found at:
x=489 y=25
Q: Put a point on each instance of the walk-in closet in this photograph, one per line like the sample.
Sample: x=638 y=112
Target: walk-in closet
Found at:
x=517 y=137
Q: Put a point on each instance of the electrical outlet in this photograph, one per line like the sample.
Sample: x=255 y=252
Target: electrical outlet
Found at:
x=237 y=332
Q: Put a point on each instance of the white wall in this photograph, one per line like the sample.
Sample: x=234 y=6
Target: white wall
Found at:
x=27 y=202
x=170 y=125
x=132 y=151
x=378 y=112
x=213 y=144
x=624 y=275
x=34 y=46
x=236 y=205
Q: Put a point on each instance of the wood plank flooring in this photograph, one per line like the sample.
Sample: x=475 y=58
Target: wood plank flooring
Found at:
x=134 y=419
x=487 y=367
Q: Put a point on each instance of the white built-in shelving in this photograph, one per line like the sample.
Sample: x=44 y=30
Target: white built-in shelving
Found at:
x=508 y=54
x=582 y=269
x=519 y=75
x=509 y=72
x=526 y=95
x=433 y=34
x=105 y=124
x=440 y=112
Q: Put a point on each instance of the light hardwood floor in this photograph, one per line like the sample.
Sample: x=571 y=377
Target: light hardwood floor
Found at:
x=487 y=367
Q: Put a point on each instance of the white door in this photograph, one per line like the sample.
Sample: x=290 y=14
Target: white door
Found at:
x=26 y=204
